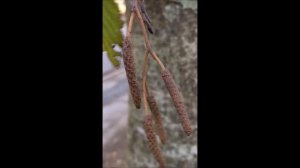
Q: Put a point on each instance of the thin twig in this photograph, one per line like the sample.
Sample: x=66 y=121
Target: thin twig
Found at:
x=130 y=25
x=147 y=89
x=145 y=68
x=141 y=21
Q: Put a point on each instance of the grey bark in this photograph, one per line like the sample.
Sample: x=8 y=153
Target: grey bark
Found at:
x=175 y=42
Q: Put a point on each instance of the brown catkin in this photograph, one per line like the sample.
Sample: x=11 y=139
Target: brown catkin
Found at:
x=158 y=122
x=177 y=100
x=152 y=141
x=130 y=72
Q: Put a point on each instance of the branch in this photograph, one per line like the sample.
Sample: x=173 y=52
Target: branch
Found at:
x=141 y=21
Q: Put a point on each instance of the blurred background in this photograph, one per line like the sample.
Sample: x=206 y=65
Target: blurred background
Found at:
x=115 y=110
x=115 y=114
x=175 y=42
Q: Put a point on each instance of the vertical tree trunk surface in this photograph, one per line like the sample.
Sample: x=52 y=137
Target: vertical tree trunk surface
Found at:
x=175 y=42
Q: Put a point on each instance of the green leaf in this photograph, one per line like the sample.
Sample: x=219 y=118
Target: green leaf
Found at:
x=111 y=29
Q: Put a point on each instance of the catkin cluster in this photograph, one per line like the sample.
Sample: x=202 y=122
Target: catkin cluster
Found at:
x=138 y=10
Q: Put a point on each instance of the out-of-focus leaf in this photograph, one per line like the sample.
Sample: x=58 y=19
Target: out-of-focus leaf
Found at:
x=111 y=29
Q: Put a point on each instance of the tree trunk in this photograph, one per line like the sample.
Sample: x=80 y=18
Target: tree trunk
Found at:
x=175 y=42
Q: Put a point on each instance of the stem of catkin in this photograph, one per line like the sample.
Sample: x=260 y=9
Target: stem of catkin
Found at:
x=144 y=74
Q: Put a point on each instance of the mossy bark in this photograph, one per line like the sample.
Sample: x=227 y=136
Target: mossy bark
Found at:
x=175 y=42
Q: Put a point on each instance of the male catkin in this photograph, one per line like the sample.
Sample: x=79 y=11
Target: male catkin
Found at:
x=130 y=72
x=158 y=122
x=177 y=100
x=152 y=141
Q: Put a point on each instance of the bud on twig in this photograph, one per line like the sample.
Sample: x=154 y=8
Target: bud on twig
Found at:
x=149 y=27
x=177 y=100
x=143 y=10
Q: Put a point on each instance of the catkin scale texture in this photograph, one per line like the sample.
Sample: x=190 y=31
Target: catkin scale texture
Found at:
x=152 y=141
x=158 y=122
x=130 y=73
x=177 y=100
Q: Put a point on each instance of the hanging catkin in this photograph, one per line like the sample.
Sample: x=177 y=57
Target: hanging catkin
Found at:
x=130 y=72
x=177 y=100
x=158 y=122
x=152 y=141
